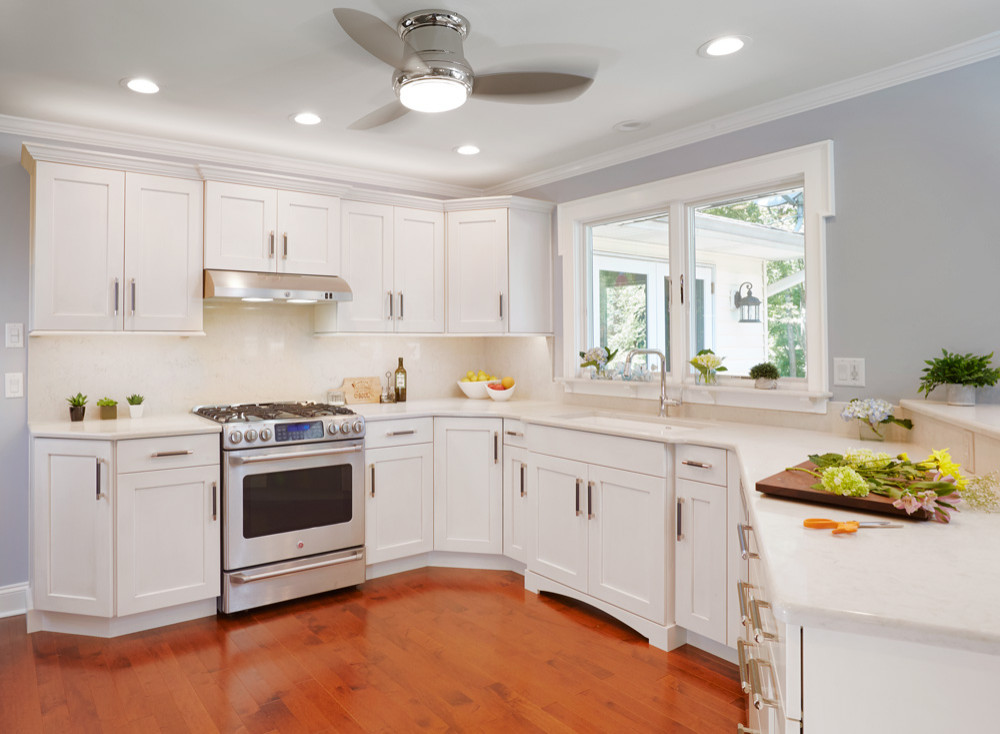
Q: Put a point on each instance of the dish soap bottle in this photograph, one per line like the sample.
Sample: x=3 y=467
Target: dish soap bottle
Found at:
x=400 y=383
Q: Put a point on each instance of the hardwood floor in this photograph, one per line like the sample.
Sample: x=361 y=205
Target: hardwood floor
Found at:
x=429 y=650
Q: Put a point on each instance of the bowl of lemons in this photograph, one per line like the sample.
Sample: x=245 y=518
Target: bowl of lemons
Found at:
x=474 y=384
x=500 y=390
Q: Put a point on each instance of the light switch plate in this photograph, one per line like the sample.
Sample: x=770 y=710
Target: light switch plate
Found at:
x=848 y=372
x=13 y=384
x=14 y=336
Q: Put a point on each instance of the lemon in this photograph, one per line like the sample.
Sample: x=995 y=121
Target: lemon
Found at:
x=469 y=375
x=465 y=379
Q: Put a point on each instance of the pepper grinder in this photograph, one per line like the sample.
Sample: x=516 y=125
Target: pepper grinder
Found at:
x=389 y=394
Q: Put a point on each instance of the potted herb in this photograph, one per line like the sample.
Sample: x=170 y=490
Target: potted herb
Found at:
x=135 y=405
x=77 y=406
x=109 y=408
x=765 y=376
x=962 y=373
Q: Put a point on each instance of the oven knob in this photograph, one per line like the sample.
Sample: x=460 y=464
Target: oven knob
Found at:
x=333 y=429
x=236 y=436
x=250 y=435
x=345 y=428
x=265 y=434
x=359 y=426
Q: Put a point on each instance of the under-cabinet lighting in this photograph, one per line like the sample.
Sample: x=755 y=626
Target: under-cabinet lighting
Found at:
x=300 y=300
x=257 y=300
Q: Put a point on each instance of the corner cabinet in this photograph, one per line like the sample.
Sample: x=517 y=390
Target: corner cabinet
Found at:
x=114 y=251
x=268 y=230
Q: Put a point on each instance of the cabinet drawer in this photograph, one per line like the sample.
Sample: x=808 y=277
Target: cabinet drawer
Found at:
x=168 y=452
x=702 y=464
x=400 y=432
x=513 y=433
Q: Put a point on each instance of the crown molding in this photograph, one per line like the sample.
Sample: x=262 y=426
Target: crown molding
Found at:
x=141 y=147
x=497 y=202
x=978 y=49
x=31 y=151
x=210 y=172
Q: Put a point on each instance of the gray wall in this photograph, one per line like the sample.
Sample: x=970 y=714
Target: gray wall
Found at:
x=913 y=254
x=13 y=412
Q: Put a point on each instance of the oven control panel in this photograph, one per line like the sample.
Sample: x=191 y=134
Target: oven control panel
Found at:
x=284 y=432
x=273 y=433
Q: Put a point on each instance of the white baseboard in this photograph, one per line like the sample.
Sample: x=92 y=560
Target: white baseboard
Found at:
x=444 y=559
x=13 y=599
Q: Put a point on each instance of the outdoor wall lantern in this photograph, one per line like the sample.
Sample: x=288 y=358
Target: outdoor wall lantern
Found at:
x=749 y=305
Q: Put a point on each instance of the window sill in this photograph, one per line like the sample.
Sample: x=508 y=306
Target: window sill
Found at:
x=732 y=396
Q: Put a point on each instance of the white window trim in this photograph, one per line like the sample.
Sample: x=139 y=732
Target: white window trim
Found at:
x=809 y=165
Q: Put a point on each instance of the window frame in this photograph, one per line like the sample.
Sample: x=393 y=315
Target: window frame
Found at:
x=810 y=166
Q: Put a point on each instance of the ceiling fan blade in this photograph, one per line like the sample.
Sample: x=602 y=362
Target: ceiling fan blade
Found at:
x=373 y=35
x=381 y=116
x=530 y=87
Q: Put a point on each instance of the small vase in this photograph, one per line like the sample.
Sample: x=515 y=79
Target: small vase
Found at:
x=867 y=432
x=135 y=411
x=109 y=412
x=708 y=378
x=76 y=412
x=961 y=394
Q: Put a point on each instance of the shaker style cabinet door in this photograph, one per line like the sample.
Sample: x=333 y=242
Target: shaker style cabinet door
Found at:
x=366 y=265
x=162 y=286
x=418 y=270
x=240 y=227
x=73 y=538
x=478 y=299
x=399 y=514
x=78 y=248
x=515 y=503
x=701 y=559
x=308 y=241
x=557 y=507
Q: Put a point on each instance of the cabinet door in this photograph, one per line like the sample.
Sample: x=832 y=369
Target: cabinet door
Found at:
x=557 y=507
x=477 y=271
x=468 y=501
x=72 y=522
x=529 y=269
x=628 y=550
x=700 y=567
x=167 y=538
x=399 y=515
x=163 y=253
x=309 y=241
x=240 y=227
x=78 y=248
x=515 y=503
x=418 y=270
x=366 y=265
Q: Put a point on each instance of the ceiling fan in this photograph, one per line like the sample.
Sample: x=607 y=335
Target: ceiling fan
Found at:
x=431 y=72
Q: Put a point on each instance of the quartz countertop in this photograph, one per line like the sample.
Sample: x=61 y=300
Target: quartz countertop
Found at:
x=124 y=428
x=980 y=418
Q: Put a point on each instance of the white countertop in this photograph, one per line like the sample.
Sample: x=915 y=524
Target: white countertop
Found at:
x=980 y=418
x=124 y=428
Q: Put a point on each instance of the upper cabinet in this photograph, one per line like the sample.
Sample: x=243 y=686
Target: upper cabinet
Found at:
x=393 y=259
x=114 y=251
x=499 y=268
x=269 y=230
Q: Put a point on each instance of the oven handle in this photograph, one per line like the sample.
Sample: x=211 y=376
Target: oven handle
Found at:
x=303 y=455
x=243 y=578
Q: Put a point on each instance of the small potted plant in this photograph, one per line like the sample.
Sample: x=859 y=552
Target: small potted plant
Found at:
x=109 y=408
x=765 y=376
x=961 y=373
x=135 y=405
x=77 y=406
x=708 y=364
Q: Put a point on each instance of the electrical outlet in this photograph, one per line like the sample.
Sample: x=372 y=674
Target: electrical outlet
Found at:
x=14 y=336
x=848 y=372
x=13 y=385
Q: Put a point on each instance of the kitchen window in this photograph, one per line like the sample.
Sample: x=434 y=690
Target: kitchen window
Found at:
x=665 y=265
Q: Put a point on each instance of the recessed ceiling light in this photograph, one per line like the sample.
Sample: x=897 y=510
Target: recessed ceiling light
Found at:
x=467 y=149
x=723 y=46
x=307 y=118
x=142 y=86
x=630 y=126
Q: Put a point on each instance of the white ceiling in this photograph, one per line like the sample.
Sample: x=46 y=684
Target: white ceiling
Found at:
x=231 y=72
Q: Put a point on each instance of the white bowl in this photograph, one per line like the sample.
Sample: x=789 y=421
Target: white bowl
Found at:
x=474 y=390
x=500 y=395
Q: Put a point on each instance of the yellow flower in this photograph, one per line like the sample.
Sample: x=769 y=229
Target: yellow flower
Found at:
x=903 y=457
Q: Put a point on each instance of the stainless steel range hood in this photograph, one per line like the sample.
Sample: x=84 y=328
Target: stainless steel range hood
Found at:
x=283 y=287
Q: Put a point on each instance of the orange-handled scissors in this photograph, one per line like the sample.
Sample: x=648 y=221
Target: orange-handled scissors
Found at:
x=849 y=526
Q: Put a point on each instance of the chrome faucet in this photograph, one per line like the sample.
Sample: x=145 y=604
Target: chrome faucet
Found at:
x=663 y=376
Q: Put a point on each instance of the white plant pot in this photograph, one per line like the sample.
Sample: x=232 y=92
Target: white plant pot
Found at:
x=961 y=395
x=765 y=383
x=135 y=411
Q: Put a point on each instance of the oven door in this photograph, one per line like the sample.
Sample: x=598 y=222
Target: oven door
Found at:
x=285 y=502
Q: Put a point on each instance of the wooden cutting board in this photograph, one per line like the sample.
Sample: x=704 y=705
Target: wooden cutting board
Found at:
x=361 y=390
x=797 y=485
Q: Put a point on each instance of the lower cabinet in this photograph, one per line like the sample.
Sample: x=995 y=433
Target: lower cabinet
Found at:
x=399 y=505
x=468 y=498
x=515 y=503
x=700 y=565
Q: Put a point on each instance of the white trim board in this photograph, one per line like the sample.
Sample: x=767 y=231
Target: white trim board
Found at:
x=13 y=599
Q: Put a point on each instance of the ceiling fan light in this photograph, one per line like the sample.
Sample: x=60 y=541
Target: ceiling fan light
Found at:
x=435 y=94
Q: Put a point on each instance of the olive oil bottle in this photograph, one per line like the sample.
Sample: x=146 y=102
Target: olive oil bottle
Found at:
x=400 y=383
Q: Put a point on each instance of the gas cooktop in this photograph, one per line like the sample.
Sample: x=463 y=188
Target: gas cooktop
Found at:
x=259 y=425
x=253 y=412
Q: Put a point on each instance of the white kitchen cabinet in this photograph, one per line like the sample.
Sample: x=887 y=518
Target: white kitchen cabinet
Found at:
x=478 y=299
x=393 y=258
x=515 y=503
x=468 y=498
x=72 y=559
x=260 y=229
x=399 y=510
x=114 y=251
x=700 y=586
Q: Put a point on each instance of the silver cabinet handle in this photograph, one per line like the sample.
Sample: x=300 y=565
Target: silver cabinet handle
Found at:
x=756 y=689
x=578 y=483
x=400 y=317
x=271 y=249
x=132 y=283
x=698 y=464
x=98 y=482
x=164 y=454
x=524 y=467
x=742 y=589
x=682 y=289
x=116 y=296
x=590 y=501
x=303 y=455
x=215 y=501
x=741 y=653
x=245 y=578
x=501 y=306
x=390 y=306
x=373 y=480
x=496 y=447
x=408 y=432
x=741 y=530
x=515 y=434
x=680 y=525
x=759 y=633
x=284 y=254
